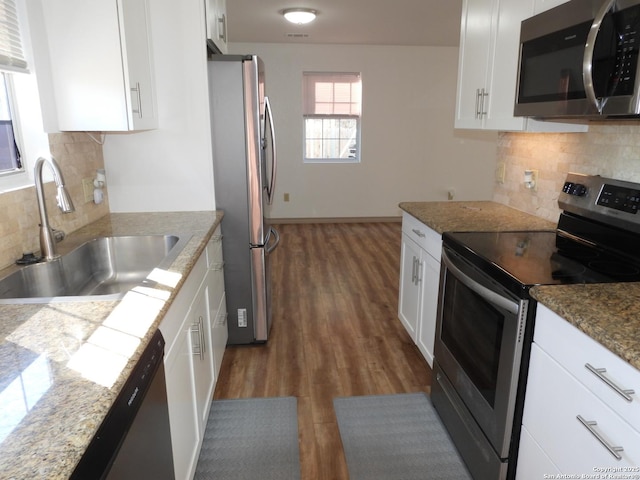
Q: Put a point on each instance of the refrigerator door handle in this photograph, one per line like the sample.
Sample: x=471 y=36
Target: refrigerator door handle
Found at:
x=276 y=235
x=274 y=161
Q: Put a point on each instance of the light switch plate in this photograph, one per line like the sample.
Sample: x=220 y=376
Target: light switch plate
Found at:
x=500 y=171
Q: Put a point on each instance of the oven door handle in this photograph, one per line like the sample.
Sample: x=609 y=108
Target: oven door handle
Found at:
x=486 y=293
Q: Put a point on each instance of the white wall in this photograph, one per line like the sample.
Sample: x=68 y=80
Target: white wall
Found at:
x=169 y=169
x=410 y=150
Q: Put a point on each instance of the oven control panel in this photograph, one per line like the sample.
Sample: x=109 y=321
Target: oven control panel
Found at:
x=614 y=202
x=620 y=198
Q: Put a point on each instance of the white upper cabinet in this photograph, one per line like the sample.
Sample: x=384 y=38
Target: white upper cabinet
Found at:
x=488 y=67
x=101 y=67
x=216 y=16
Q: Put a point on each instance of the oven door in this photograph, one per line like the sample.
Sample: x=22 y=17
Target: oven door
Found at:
x=478 y=345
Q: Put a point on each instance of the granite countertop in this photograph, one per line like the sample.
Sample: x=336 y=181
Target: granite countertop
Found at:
x=62 y=364
x=608 y=313
x=474 y=217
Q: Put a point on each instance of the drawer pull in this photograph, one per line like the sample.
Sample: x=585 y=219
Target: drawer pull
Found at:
x=589 y=424
x=599 y=372
x=418 y=232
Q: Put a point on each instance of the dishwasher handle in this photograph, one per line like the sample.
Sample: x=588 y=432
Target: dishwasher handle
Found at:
x=486 y=293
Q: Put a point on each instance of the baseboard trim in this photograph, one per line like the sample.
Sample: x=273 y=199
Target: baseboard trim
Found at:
x=283 y=221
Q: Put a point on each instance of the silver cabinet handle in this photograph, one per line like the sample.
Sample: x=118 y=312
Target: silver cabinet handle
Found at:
x=222 y=20
x=589 y=424
x=477 y=103
x=216 y=238
x=413 y=271
x=200 y=348
x=136 y=89
x=599 y=372
x=418 y=232
x=418 y=271
x=484 y=95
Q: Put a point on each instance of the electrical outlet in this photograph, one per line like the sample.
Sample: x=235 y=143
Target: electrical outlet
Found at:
x=87 y=188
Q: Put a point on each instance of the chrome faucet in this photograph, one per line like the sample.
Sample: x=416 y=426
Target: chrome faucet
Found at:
x=47 y=241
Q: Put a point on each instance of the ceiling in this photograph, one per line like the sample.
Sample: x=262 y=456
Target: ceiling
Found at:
x=366 y=22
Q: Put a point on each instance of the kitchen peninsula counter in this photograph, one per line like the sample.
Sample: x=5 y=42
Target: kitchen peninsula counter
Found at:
x=57 y=378
x=474 y=217
x=608 y=313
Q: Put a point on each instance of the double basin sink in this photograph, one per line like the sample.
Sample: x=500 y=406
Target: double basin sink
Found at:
x=104 y=268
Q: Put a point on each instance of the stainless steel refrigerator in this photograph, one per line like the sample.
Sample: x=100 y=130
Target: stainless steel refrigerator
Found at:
x=244 y=159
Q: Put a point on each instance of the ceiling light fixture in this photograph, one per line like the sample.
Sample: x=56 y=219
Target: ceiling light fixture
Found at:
x=299 y=16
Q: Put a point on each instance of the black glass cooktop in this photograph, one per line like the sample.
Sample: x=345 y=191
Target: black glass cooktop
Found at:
x=541 y=258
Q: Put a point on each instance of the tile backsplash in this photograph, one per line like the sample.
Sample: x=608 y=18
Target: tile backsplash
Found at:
x=607 y=149
x=79 y=157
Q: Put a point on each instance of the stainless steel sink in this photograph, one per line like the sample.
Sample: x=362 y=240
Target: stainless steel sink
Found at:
x=101 y=269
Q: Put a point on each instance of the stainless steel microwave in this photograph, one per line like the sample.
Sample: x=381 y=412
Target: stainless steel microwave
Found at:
x=580 y=59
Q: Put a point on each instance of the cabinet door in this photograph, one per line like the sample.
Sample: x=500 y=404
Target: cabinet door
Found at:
x=409 y=302
x=92 y=44
x=216 y=15
x=185 y=437
x=532 y=461
x=139 y=81
x=429 y=279
x=475 y=39
x=503 y=68
x=219 y=335
x=554 y=400
x=202 y=354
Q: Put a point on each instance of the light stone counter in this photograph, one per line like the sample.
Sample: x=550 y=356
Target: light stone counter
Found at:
x=63 y=364
x=481 y=216
x=608 y=313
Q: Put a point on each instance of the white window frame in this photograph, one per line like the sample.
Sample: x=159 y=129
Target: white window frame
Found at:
x=329 y=110
x=32 y=140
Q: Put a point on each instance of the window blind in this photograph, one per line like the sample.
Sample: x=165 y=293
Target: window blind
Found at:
x=11 y=52
x=332 y=94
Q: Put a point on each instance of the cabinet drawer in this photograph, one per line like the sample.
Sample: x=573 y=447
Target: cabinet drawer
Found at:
x=552 y=333
x=533 y=462
x=554 y=401
x=427 y=238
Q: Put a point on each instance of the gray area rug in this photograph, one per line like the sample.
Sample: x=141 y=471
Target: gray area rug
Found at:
x=396 y=437
x=253 y=438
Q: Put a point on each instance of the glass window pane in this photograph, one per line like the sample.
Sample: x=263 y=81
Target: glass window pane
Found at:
x=9 y=155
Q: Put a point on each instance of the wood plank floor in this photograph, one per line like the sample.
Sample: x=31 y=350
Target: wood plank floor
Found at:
x=335 y=333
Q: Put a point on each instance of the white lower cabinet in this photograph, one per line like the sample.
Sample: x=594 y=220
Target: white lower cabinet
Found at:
x=419 y=281
x=574 y=418
x=195 y=342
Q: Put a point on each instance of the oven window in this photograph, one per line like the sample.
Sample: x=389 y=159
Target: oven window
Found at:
x=472 y=331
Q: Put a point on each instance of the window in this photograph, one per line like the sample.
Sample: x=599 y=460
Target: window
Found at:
x=331 y=112
x=22 y=137
x=10 y=161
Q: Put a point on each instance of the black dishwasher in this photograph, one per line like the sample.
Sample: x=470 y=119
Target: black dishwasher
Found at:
x=134 y=440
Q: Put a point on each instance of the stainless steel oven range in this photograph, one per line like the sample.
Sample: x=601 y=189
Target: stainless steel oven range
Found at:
x=486 y=315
